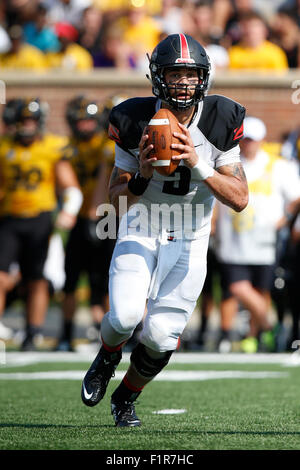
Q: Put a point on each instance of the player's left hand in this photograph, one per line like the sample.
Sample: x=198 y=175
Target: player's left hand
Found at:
x=65 y=221
x=189 y=154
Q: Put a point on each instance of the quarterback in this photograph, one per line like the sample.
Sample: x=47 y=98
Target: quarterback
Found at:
x=166 y=269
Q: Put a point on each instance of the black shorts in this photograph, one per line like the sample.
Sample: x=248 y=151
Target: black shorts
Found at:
x=25 y=240
x=84 y=255
x=212 y=271
x=261 y=276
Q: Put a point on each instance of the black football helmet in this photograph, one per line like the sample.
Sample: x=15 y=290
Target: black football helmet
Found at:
x=179 y=50
x=19 y=109
x=80 y=108
x=28 y=108
x=10 y=110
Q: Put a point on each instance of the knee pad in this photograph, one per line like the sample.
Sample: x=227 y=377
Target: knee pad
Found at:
x=109 y=334
x=163 y=327
x=146 y=365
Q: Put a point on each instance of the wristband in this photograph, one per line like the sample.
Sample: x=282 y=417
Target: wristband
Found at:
x=202 y=170
x=137 y=184
x=72 y=200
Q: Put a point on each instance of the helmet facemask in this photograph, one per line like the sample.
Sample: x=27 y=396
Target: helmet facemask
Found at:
x=169 y=93
x=85 y=129
x=26 y=132
x=28 y=111
x=79 y=110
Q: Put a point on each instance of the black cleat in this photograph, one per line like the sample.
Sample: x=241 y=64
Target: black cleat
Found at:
x=97 y=377
x=29 y=344
x=124 y=414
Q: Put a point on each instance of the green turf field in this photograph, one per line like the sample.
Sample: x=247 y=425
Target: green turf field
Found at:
x=228 y=406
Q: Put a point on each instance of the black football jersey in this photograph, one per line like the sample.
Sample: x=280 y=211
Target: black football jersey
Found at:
x=216 y=129
x=220 y=121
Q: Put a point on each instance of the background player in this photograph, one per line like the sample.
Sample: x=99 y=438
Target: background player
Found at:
x=30 y=170
x=84 y=251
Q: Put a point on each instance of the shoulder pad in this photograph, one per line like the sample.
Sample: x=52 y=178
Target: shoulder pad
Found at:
x=128 y=120
x=69 y=150
x=221 y=121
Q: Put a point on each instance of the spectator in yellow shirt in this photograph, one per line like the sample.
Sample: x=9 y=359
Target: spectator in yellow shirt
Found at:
x=254 y=51
x=21 y=55
x=141 y=33
x=71 y=56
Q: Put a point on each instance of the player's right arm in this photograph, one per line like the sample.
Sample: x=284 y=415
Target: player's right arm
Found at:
x=118 y=185
x=67 y=183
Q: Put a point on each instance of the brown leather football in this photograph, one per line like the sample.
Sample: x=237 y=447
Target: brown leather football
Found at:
x=160 y=130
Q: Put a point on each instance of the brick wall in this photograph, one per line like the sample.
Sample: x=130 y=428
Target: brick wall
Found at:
x=268 y=98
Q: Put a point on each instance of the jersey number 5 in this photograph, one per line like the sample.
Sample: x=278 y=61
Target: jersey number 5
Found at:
x=181 y=186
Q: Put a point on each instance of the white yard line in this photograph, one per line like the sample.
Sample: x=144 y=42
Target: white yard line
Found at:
x=17 y=359
x=168 y=375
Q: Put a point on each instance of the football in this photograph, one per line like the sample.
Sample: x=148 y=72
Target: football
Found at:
x=160 y=130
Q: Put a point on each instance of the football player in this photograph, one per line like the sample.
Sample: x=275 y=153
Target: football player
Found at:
x=168 y=265
x=84 y=251
x=30 y=170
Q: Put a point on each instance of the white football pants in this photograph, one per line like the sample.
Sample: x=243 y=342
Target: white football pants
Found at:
x=169 y=273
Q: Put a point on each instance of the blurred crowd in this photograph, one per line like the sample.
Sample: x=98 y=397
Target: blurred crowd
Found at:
x=86 y=34
x=50 y=189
